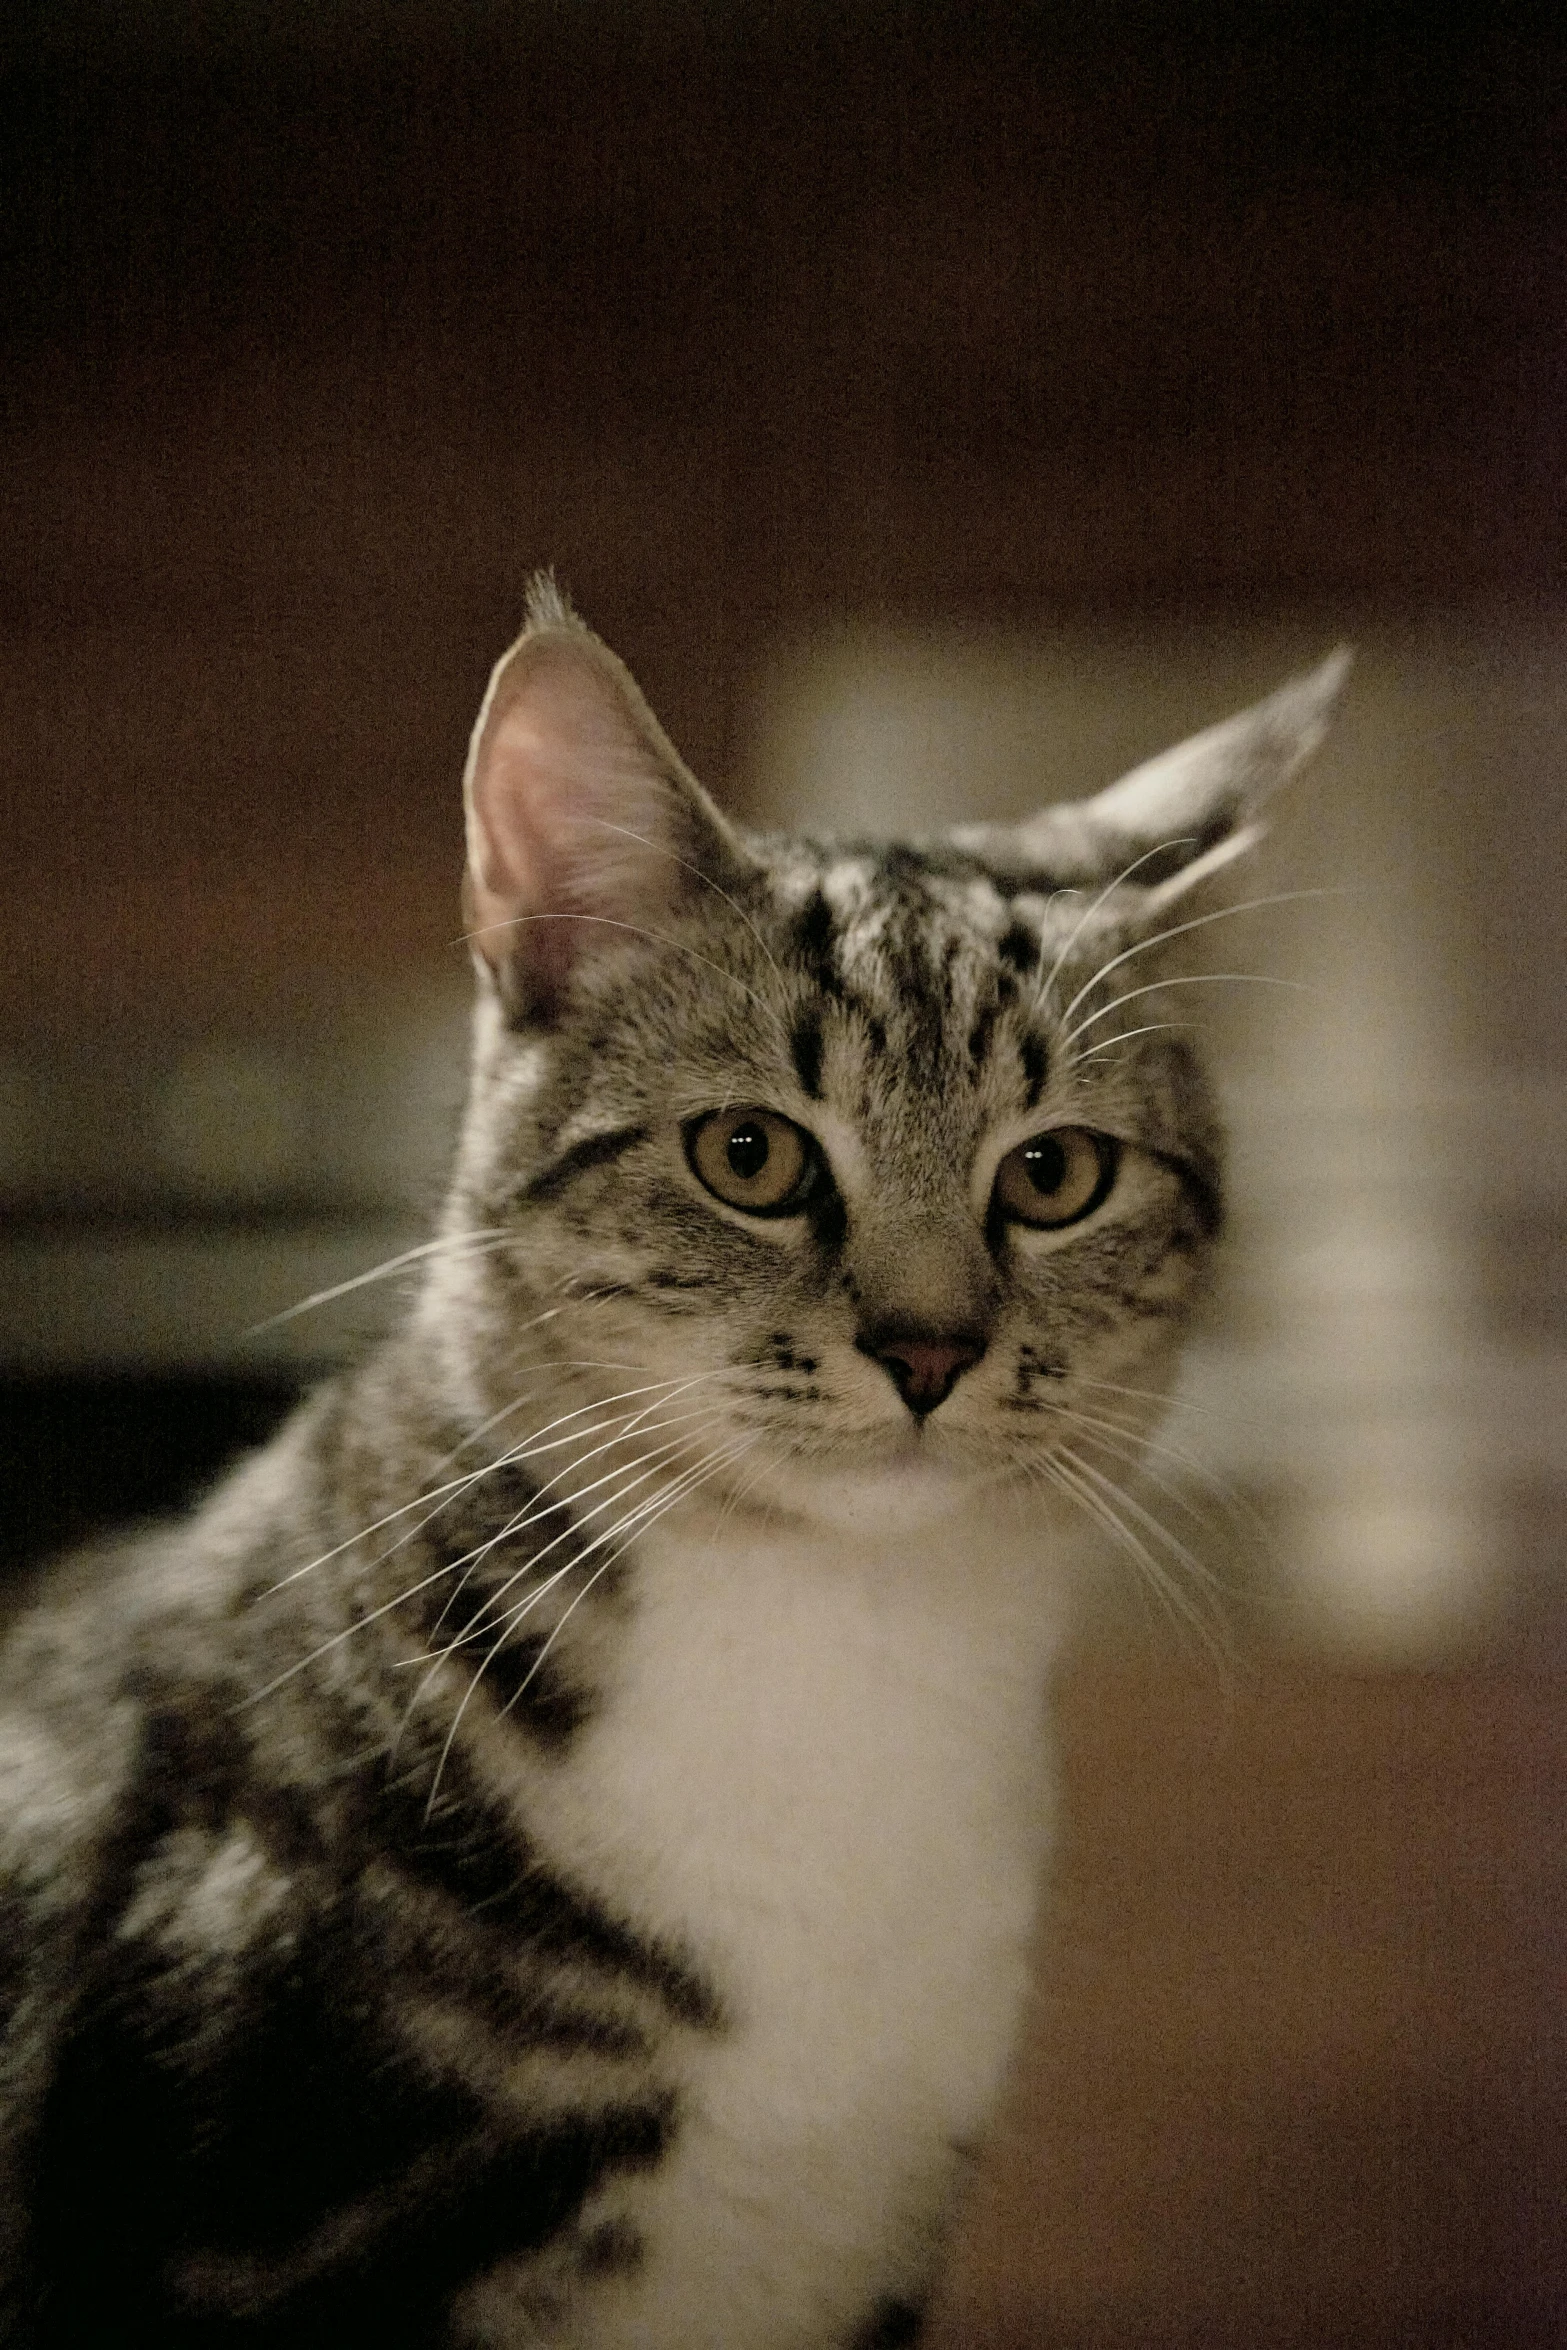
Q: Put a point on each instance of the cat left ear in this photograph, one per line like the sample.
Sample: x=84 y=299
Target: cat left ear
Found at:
x=1170 y=825
x=584 y=828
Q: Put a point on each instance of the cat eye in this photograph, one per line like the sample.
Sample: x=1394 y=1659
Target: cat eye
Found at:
x=1055 y=1178
x=753 y=1159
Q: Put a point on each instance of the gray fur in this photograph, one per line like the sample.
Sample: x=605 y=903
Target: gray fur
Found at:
x=325 y=2021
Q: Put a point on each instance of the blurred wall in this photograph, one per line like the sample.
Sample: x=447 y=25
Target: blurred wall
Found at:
x=325 y=325
x=857 y=369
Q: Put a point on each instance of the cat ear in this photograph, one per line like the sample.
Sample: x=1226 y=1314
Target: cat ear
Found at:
x=1170 y=825
x=584 y=827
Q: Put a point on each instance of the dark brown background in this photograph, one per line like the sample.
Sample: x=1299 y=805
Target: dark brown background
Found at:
x=324 y=326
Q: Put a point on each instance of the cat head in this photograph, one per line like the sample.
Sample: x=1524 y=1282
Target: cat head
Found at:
x=816 y=1161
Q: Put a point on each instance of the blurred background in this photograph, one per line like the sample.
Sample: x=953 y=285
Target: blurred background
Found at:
x=940 y=408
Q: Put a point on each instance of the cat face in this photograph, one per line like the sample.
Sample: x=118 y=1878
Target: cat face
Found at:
x=833 y=1172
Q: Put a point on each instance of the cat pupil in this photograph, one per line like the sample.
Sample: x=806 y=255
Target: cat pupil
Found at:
x=1046 y=1164
x=748 y=1152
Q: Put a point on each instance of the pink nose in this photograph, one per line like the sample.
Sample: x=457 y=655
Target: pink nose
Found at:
x=925 y=1370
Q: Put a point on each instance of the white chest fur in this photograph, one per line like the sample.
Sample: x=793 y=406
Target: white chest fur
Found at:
x=823 y=1773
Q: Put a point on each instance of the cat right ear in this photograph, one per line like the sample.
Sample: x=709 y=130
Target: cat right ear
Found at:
x=1180 y=820
x=585 y=829
x=1173 y=825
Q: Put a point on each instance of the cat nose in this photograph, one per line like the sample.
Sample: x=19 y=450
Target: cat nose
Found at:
x=923 y=1370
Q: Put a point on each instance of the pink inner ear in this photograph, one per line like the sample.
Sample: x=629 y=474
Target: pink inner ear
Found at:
x=568 y=822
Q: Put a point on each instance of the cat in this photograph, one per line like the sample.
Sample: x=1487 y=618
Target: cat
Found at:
x=548 y=1853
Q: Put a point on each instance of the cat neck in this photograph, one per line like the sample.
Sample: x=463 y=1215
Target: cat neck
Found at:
x=990 y=1586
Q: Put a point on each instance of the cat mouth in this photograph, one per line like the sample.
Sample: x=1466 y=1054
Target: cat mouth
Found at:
x=913 y=1448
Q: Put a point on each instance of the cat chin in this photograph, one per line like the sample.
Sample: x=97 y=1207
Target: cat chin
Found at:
x=889 y=1503
x=894 y=1488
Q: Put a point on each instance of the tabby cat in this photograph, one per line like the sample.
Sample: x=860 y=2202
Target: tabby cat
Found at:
x=548 y=1854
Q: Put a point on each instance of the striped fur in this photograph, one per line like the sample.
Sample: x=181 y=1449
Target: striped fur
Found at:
x=548 y=1855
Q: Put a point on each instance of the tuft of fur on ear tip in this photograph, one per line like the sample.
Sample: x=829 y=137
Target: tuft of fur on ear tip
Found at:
x=548 y=605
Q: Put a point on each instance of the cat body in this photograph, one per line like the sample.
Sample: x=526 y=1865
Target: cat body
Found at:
x=548 y=1855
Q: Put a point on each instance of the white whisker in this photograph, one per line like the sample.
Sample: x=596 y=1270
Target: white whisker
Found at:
x=644 y=1513
x=1130 y=1446
x=1218 y=1516
x=432 y=1659
x=1150 y=1028
x=1109 y=890
x=1157 y=986
x=1094 y=1488
x=442 y=1496
x=1176 y=1404
x=624 y=1426
x=531 y=1515
x=637 y=1523
x=628 y=1483
x=479 y=1243
x=737 y=1495
x=1143 y=946
x=336 y=1639
x=661 y=849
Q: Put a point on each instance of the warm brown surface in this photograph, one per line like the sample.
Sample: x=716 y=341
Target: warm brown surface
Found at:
x=1299 y=2069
